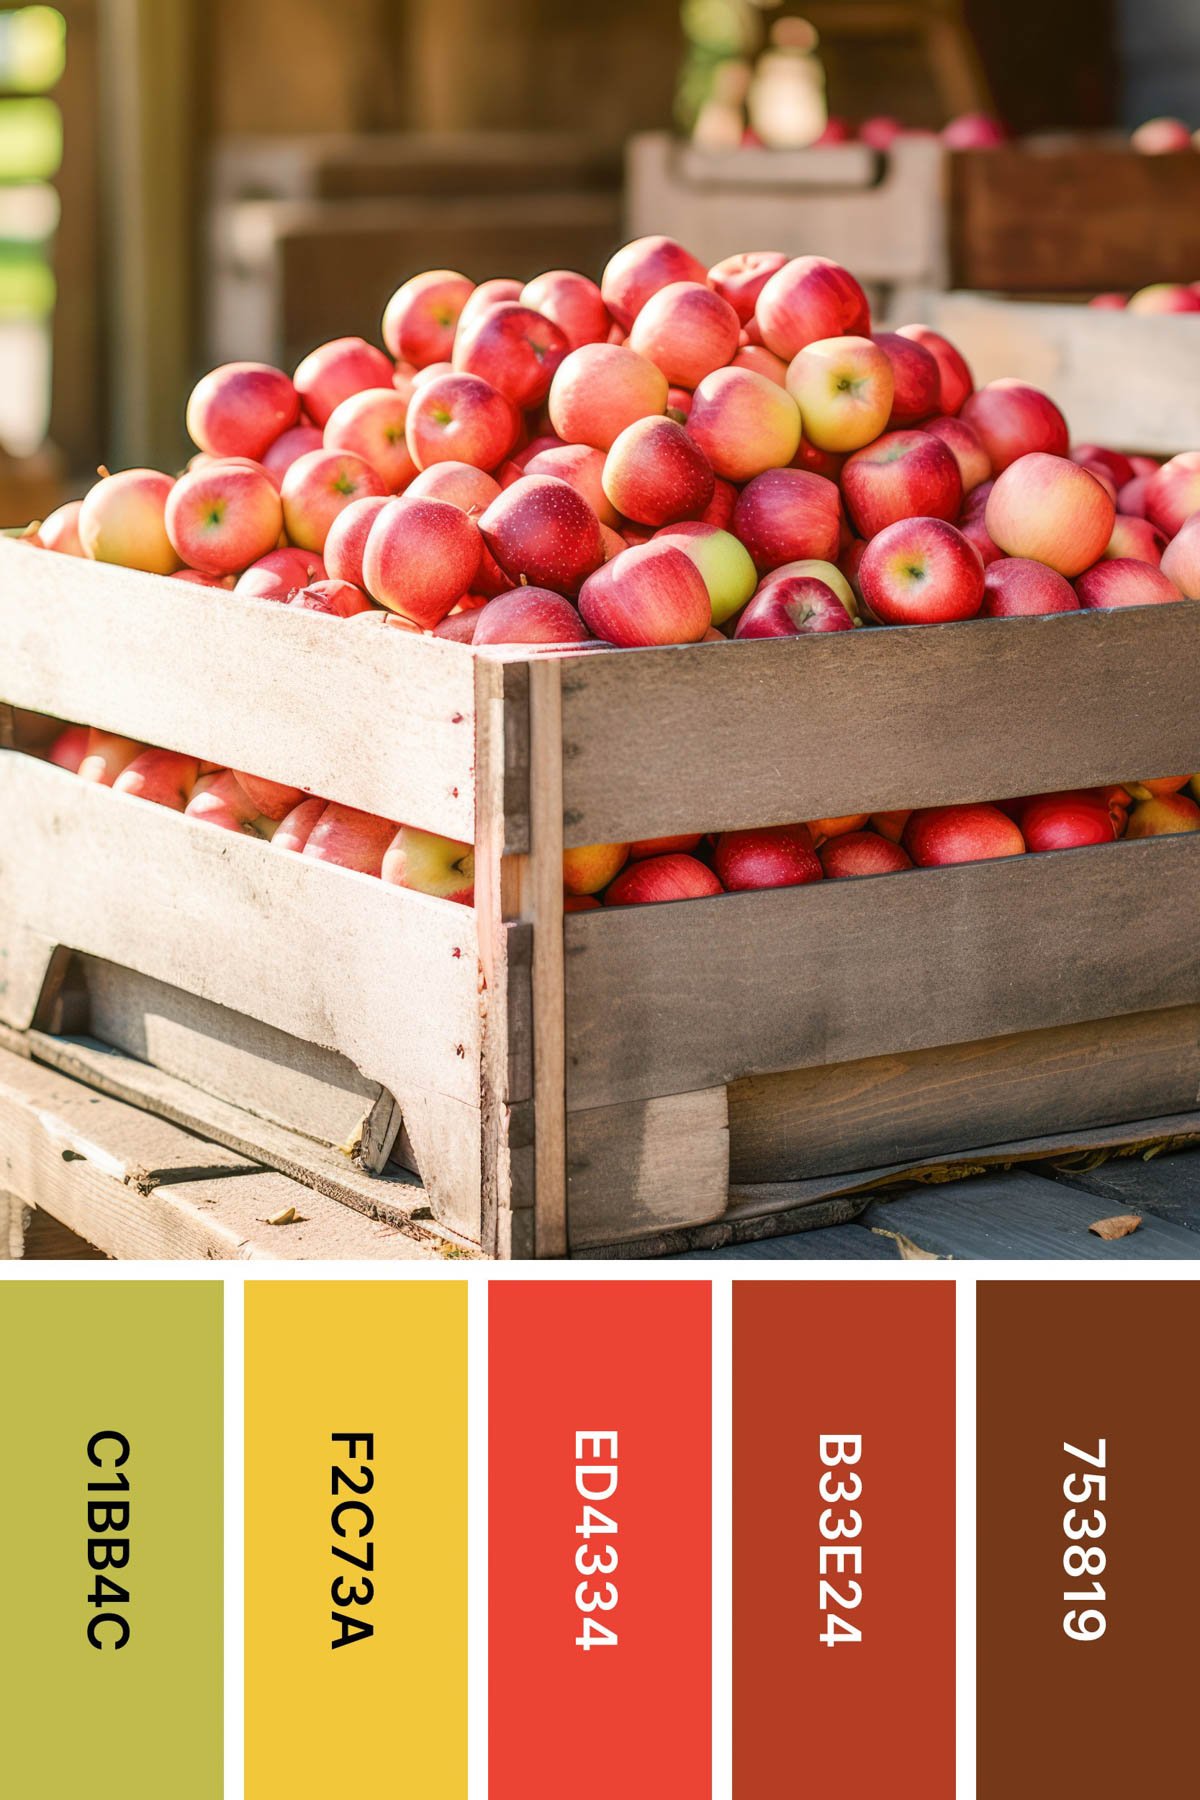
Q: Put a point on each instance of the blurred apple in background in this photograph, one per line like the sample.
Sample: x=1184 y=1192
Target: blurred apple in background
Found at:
x=1161 y=137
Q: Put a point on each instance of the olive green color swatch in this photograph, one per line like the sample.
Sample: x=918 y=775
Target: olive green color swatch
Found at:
x=104 y=1382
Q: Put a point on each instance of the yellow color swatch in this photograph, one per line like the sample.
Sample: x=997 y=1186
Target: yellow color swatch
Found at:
x=356 y=1539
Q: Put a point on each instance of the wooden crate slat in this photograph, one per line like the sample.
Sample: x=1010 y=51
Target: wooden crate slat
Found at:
x=761 y=733
x=647 y=1166
x=843 y=970
x=378 y=718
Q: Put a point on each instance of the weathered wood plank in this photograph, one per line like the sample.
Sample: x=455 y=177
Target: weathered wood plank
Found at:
x=378 y=718
x=1167 y=1186
x=845 y=970
x=645 y=1167
x=831 y=1243
x=926 y=1103
x=723 y=735
x=544 y=909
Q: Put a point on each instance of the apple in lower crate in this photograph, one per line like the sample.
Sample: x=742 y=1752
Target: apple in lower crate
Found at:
x=684 y=844
x=69 y=748
x=591 y=867
x=583 y=468
x=1050 y=509
x=902 y=475
x=656 y=474
x=572 y=302
x=1065 y=821
x=687 y=330
x=541 y=531
x=740 y=279
x=1173 y=492
x=1148 y=789
x=160 y=776
x=1162 y=816
x=1123 y=581
x=858 y=853
x=420 y=319
x=430 y=865
x=295 y=828
x=1013 y=419
x=650 y=594
x=810 y=298
x=744 y=423
x=372 y=425
x=835 y=826
x=514 y=348
x=729 y=574
x=347 y=539
x=600 y=389
x=916 y=379
x=1017 y=587
x=921 y=572
x=1181 y=559
x=529 y=615
x=241 y=409
x=337 y=599
x=639 y=269
x=1110 y=302
x=334 y=371
x=938 y=835
x=347 y=837
x=575 y=903
x=281 y=573
x=786 y=515
x=269 y=799
x=772 y=856
x=223 y=517
x=288 y=448
x=793 y=606
x=844 y=388
x=123 y=520
x=955 y=380
x=420 y=556
x=663 y=878
x=891 y=824
x=1137 y=538
x=966 y=447
x=220 y=799
x=59 y=530
x=318 y=487
x=105 y=755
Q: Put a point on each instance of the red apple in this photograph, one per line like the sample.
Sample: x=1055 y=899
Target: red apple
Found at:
x=318 y=487
x=514 y=348
x=461 y=418
x=955 y=381
x=70 y=747
x=787 y=514
x=288 y=448
x=1119 y=467
x=844 y=388
x=916 y=378
x=836 y=131
x=123 y=520
x=649 y=594
x=658 y=878
x=340 y=599
x=1108 y=302
x=1123 y=581
x=720 y=508
x=462 y=484
x=269 y=799
x=296 y=827
x=160 y=776
x=421 y=316
x=336 y=370
x=1137 y=538
x=639 y=270
x=281 y=573
x=371 y=424
x=1014 y=419
x=1161 y=137
x=921 y=572
x=791 y=606
x=1165 y=297
x=428 y=864
x=939 y=835
x=1048 y=508
x=761 y=361
x=529 y=615
x=571 y=302
x=222 y=518
x=830 y=573
x=241 y=409
x=656 y=474
x=963 y=443
x=543 y=533
x=1181 y=559
x=1172 y=492
x=810 y=298
x=105 y=755
x=1016 y=587
x=219 y=799
x=349 y=838
x=902 y=475
x=59 y=530
x=857 y=853
x=880 y=131
x=600 y=389
x=347 y=539
x=1131 y=499
x=687 y=331
x=1163 y=816
x=974 y=131
x=501 y=290
x=1065 y=821
x=684 y=845
x=741 y=279
x=420 y=556
x=583 y=468
x=772 y=856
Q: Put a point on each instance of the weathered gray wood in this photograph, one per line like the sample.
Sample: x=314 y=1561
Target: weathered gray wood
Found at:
x=647 y=1166
x=736 y=734
x=984 y=949
x=749 y=1227
x=542 y=905
x=1019 y=1217
x=379 y=718
x=836 y=1243
x=16 y=1216
x=927 y=1103
x=1167 y=1186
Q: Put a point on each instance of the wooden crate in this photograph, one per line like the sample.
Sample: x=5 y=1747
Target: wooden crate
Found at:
x=642 y=1077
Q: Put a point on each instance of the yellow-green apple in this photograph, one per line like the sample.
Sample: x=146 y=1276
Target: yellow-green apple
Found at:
x=685 y=843
x=461 y=418
x=858 y=853
x=542 y=532
x=571 y=302
x=1017 y=587
x=270 y=799
x=1013 y=420
x=350 y=839
x=955 y=380
x=371 y=424
x=1161 y=137
x=787 y=514
x=649 y=594
x=220 y=799
x=334 y=371
x=744 y=423
x=837 y=826
x=640 y=269
x=655 y=473
x=974 y=131
x=1048 y=508
x=1172 y=492
x=741 y=279
x=428 y=864
x=600 y=389
x=462 y=484
x=902 y=475
x=1181 y=559
x=728 y=570
x=1119 y=467
x=658 y=878
x=339 y=599
x=529 y=615
x=1162 y=816
x=1065 y=821
x=420 y=556
x=159 y=776
x=921 y=572
x=590 y=867
x=771 y=856
x=761 y=361
x=223 y=517
x=810 y=298
x=281 y=573
x=791 y=606
x=964 y=444
x=318 y=487
x=123 y=520
x=916 y=379
x=1124 y=581
x=979 y=832
x=891 y=824
x=1137 y=538
x=500 y=290
x=844 y=388
x=347 y=539
x=419 y=320
x=293 y=831
x=241 y=409
x=830 y=573
x=583 y=468
x=59 y=530
x=288 y=448
x=515 y=349
x=1149 y=788
x=1131 y=499
x=687 y=331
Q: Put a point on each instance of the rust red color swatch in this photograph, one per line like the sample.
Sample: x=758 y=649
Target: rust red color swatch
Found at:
x=844 y=1545
x=1088 y=1468
x=599 y=1535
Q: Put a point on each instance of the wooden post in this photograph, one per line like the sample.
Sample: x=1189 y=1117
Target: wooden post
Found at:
x=544 y=908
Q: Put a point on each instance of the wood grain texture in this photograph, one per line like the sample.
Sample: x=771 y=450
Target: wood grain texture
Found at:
x=646 y=1166
x=713 y=737
x=839 y=971
x=1167 y=1186
x=378 y=718
x=544 y=908
x=925 y=1103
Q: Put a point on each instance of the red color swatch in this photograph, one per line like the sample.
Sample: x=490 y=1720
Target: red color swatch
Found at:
x=872 y=1715
x=570 y=1362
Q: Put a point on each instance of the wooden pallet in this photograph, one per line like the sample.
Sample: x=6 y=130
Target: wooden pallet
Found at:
x=625 y=1077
